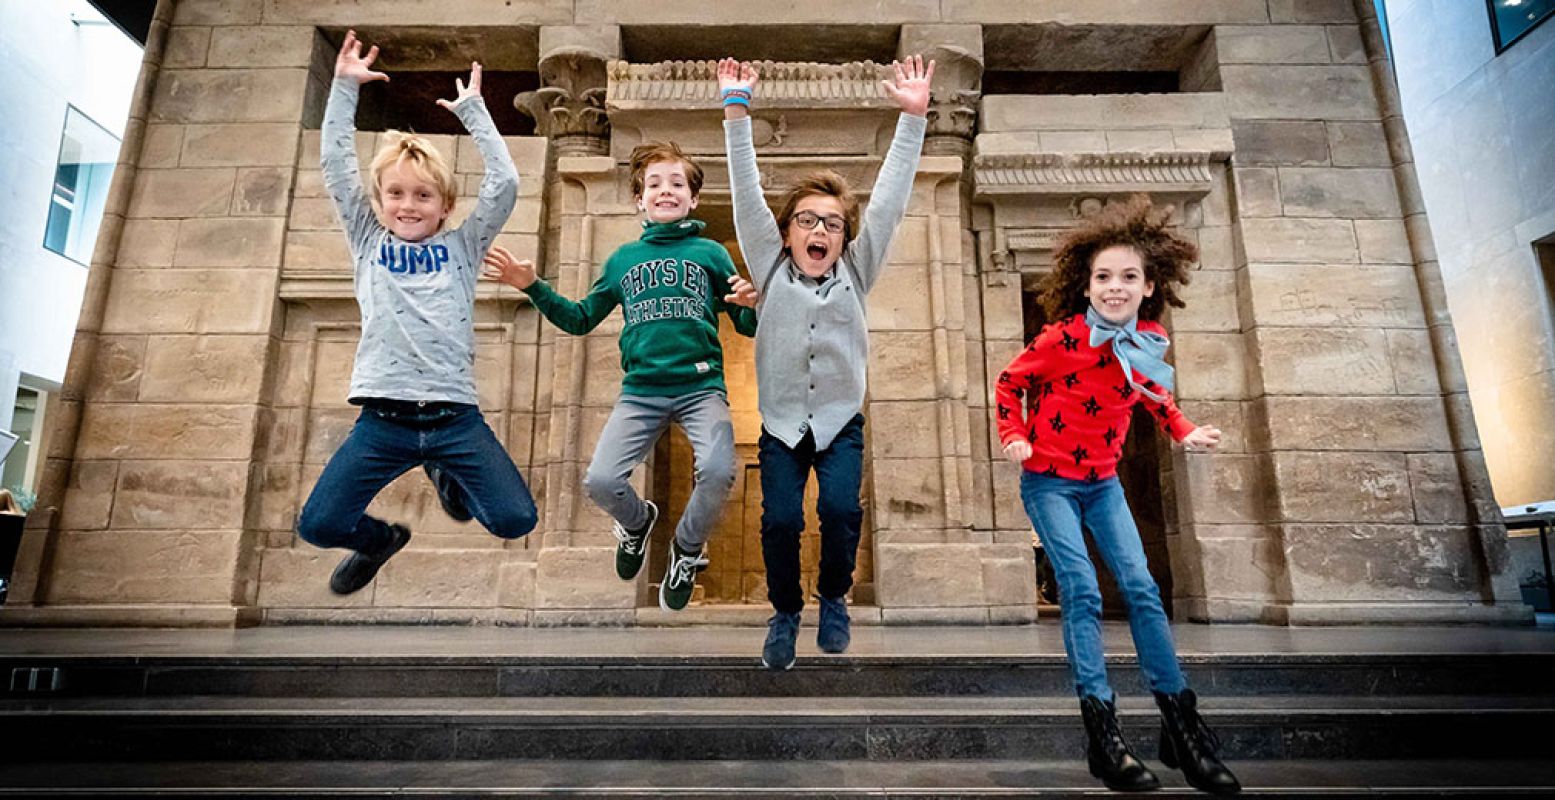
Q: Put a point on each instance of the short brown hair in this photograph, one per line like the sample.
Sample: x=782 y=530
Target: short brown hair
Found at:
x=653 y=153
x=830 y=184
x=1136 y=224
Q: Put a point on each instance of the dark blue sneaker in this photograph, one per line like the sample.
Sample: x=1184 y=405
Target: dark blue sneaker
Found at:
x=778 y=652
x=833 y=635
x=449 y=493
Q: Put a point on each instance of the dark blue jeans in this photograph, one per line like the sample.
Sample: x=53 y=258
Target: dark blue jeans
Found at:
x=839 y=471
x=389 y=440
x=1058 y=507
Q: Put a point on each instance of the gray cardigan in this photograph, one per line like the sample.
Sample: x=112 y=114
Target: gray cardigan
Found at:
x=812 y=344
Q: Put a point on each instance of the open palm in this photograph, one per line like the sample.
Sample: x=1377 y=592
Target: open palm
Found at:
x=910 y=86
x=350 y=63
x=464 y=91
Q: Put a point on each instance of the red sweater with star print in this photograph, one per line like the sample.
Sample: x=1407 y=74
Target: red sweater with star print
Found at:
x=1077 y=403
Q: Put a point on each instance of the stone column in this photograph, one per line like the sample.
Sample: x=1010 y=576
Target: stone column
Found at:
x=569 y=106
x=957 y=51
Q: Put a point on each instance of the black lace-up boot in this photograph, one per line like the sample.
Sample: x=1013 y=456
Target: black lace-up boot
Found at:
x=1108 y=754
x=1188 y=744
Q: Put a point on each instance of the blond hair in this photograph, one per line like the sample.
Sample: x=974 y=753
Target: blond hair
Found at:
x=422 y=157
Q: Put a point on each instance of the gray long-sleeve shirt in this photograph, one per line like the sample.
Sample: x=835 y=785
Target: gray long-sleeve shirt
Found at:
x=812 y=344
x=417 y=298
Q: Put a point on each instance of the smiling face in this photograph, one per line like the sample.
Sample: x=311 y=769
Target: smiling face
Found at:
x=815 y=250
x=1118 y=285
x=413 y=207
x=667 y=195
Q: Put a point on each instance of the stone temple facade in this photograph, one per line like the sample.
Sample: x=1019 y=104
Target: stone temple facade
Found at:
x=208 y=381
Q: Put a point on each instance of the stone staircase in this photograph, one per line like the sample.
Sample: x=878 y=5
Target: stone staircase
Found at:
x=875 y=725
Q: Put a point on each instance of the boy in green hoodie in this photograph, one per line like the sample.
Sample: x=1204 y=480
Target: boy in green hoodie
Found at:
x=670 y=284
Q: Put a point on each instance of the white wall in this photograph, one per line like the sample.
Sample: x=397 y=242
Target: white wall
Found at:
x=1483 y=131
x=49 y=62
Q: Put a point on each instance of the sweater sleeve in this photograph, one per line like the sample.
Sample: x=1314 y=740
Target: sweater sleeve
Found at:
x=721 y=272
x=576 y=318
x=754 y=226
x=1167 y=415
x=1024 y=374
x=499 y=187
x=342 y=175
x=866 y=254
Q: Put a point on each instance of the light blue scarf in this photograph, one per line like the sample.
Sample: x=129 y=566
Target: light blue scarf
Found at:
x=1135 y=350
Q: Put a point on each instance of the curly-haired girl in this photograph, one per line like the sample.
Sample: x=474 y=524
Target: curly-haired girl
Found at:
x=1078 y=382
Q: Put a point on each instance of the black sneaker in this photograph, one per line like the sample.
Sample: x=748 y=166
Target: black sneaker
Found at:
x=778 y=651
x=359 y=569
x=681 y=577
x=449 y=493
x=632 y=545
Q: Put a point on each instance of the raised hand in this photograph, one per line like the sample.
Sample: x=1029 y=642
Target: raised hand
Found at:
x=1018 y=451
x=465 y=92
x=734 y=74
x=350 y=63
x=741 y=293
x=736 y=77
x=910 y=88
x=501 y=265
x=1204 y=437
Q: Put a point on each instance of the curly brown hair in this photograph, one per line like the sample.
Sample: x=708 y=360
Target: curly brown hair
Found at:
x=1135 y=223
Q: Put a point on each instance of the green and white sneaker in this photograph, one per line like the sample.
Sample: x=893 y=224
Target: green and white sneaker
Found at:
x=681 y=577
x=633 y=545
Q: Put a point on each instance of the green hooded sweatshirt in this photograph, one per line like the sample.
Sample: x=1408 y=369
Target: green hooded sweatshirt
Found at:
x=670 y=284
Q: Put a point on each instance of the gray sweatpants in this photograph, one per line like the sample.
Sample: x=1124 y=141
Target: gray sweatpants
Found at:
x=634 y=425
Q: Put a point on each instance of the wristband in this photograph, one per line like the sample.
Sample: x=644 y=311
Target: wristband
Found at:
x=736 y=100
x=735 y=90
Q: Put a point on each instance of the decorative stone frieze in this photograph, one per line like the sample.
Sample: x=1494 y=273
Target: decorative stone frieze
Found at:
x=1092 y=173
x=689 y=85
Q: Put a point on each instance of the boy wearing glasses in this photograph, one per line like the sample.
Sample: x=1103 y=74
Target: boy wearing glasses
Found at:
x=812 y=266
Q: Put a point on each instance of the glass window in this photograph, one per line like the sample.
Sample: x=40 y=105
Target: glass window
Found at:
x=87 y=153
x=1511 y=19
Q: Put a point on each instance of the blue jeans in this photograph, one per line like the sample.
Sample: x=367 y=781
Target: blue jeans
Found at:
x=839 y=472
x=1057 y=507
x=387 y=442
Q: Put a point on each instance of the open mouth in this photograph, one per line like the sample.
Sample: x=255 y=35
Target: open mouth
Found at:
x=817 y=252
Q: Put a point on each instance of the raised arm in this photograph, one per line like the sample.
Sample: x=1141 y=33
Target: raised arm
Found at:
x=866 y=254
x=337 y=141
x=499 y=188
x=754 y=225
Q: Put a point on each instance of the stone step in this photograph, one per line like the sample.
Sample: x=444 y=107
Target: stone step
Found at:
x=776 y=728
x=740 y=676
x=759 y=780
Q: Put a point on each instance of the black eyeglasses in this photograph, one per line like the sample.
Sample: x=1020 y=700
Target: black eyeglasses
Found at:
x=808 y=220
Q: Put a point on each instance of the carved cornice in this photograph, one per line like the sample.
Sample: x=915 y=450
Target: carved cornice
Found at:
x=1092 y=173
x=680 y=85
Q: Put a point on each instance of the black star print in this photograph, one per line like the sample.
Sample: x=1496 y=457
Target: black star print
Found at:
x=1004 y=377
x=1079 y=454
x=1004 y=413
x=1109 y=436
x=1161 y=412
x=1071 y=379
x=1092 y=476
x=1092 y=407
x=1069 y=343
x=1032 y=382
x=1057 y=422
x=1031 y=436
x=1149 y=384
x=1047 y=388
x=1051 y=471
x=1124 y=392
x=1104 y=362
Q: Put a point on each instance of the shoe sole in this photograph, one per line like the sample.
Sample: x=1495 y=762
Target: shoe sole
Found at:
x=784 y=668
